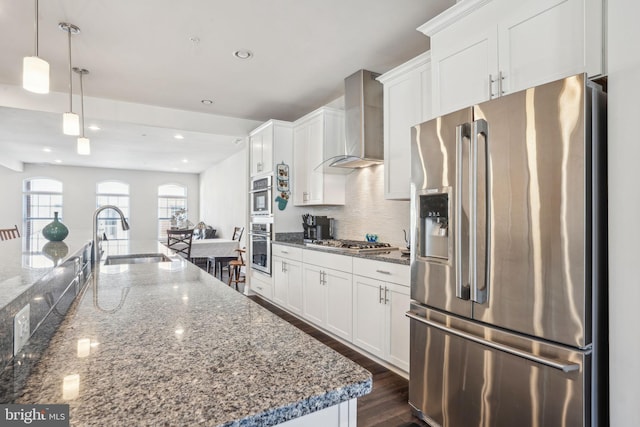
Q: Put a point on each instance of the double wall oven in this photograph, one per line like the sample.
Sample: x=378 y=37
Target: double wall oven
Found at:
x=261 y=224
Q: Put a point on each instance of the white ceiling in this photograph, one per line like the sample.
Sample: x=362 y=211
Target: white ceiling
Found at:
x=151 y=62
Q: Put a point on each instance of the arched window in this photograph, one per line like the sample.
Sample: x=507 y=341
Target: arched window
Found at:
x=171 y=199
x=112 y=193
x=42 y=197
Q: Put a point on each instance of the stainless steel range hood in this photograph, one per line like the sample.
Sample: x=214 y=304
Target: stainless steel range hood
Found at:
x=363 y=122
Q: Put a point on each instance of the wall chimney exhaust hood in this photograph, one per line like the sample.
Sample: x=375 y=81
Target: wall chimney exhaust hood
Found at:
x=364 y=145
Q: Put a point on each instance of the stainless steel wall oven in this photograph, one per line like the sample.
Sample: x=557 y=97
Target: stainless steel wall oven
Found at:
x=260 y=242
x=261 y=196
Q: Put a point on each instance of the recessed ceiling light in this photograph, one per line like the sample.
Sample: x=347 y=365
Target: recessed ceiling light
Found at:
x=58 y=161
x=46 y=149
x=178 y=136
x=243 y=54
x=207 y=101
x=185 y=160
x=94 y=127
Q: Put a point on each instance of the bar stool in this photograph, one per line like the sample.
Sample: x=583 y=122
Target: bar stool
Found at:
x=9 y=233
x=223 y=262
x=235 y=267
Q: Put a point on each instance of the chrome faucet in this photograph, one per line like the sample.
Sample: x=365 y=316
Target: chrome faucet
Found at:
x=97 y=250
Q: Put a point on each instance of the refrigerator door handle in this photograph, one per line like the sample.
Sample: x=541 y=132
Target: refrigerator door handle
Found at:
x=461 y=262
x=479 y=232
x=564 y=367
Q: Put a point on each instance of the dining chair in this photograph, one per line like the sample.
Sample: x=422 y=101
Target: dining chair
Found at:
x=222 y=262
x=235 y=269
x=180 y=242
x=9 y=233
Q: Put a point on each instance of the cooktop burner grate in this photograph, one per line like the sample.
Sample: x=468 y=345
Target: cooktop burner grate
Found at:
x=353 y=245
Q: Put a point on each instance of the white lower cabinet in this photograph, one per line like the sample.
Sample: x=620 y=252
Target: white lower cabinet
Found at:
x=381 y=299
x=287 y=277
x=328 y=292
x=359 y=300
x=287 y=284
x=261 y=284
x=328 y=299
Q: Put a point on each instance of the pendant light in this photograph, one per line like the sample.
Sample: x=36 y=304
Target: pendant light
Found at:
x=35 y=70
x=84 y=145
x=70 y=120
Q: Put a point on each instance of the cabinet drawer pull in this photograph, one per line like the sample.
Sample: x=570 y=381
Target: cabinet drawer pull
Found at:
x=383 y=272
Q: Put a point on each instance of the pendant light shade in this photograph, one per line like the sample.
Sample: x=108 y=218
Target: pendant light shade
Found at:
x=35 y=74
x=84 y=145
x=70 y=124
x=70 y=120
x=35 y=70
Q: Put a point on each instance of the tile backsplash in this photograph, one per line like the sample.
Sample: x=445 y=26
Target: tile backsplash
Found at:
x=367 y=211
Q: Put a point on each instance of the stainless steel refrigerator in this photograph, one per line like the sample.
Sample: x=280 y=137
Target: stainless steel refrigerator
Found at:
x=508 y=270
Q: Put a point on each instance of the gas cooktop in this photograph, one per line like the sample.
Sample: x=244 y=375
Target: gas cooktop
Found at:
x=353 y=246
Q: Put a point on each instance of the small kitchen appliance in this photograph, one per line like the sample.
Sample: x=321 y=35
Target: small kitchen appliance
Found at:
x=317 y=227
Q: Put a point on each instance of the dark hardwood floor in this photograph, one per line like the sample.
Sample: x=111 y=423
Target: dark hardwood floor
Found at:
x=386 y=405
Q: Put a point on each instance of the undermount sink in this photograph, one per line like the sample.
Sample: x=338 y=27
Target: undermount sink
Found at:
x=136 y=259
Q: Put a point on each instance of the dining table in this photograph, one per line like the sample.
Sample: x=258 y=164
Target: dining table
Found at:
x=214 y=248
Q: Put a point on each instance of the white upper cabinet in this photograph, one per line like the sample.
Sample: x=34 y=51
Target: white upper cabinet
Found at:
x=268 y=143
x=482 y=49
x=318 y=136
x=407 y=102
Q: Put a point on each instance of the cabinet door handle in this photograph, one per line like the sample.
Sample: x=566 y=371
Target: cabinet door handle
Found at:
x=383 y=272
x=500 y=79
x=491 y=81
x=386 y=295
x=380 y=300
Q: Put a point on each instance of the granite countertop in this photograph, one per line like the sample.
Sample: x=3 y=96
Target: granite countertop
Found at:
x=394 y=256
x=168 y=344
x=26 y=260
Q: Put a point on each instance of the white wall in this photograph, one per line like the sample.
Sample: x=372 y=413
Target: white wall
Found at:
x=224 y=195
x=367 y=211
x=624 y=210
x=79 y=195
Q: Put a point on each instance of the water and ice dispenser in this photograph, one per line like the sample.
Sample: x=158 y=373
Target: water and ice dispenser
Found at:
x=434 y=226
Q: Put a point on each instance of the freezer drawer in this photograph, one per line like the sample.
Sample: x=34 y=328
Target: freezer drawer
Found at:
x=464 y=374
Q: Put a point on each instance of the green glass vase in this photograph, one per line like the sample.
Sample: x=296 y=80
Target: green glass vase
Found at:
x=55 y=231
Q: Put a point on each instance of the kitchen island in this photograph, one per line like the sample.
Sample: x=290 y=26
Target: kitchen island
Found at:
x=168 y=344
